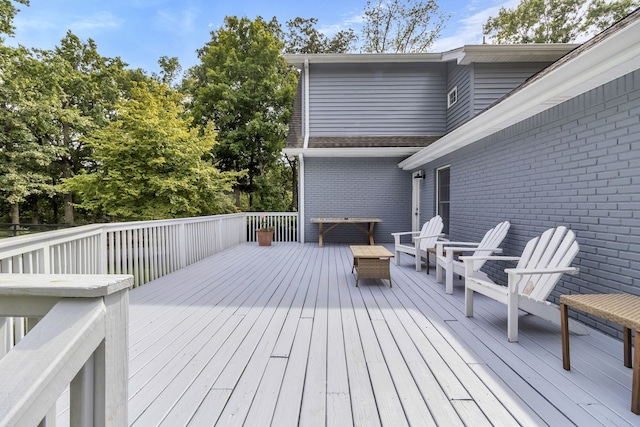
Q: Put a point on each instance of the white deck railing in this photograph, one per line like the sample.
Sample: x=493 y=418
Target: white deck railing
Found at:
x=284 y=224
x=145 y=250
x=78 y=339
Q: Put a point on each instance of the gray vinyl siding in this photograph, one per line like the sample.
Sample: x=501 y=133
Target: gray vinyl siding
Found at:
x=578 y=165
x=377 y=99
x=493 y=81
x=356 y=187
x=460 y=112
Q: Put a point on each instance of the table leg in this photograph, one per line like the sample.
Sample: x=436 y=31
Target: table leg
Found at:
x=635 y=385
x=564 y=326
x=320 y=234
x=626 y=335
x=371 y=225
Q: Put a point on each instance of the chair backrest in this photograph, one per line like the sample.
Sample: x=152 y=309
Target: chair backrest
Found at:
x=555 y=248
x=433 y=227
x=492 y=239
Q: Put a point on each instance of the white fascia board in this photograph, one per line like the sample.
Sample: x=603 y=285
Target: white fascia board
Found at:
x=298 y=59
x=352 y=152
x=617 y=55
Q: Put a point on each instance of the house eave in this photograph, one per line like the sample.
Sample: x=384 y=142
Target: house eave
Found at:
x=611 y=57
x=488 y=53
x=352 y=152
x=297 y=60
x=464 y=55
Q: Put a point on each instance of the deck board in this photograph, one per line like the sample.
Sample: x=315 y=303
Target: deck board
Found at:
x=281 y=336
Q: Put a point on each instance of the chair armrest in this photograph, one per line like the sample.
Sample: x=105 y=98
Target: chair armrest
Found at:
x=405 y=233
x=428 y=237
x=397 y=237
x=490 y=258
x=521 y=271
x=445 y=242
x=460 y=249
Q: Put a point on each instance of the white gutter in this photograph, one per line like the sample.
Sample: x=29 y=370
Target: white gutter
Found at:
x=610 y=58
x=353 y=151
x=306 y=104
x=301 y=198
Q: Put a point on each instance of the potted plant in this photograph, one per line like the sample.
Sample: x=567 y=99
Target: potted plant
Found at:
x=265 y=233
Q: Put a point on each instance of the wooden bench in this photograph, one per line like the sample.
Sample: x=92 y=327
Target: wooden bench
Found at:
x=623 y=309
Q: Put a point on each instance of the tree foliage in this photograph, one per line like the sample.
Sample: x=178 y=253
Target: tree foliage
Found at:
x=84 y=86
x=555 y=21
x=401 y=25
x=302 y=36
x=8 y=11
x=245 y=87
x=24 y=158
x=151 y=164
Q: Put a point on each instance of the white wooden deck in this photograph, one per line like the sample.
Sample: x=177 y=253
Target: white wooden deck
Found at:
x=281 y=336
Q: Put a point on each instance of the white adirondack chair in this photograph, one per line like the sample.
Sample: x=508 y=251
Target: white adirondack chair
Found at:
x=487 y=246
x=421 y=241
x=539 y=269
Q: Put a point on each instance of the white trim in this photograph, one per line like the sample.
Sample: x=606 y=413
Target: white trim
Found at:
x=301 y=198
x=453 y=91
x=463 y=55
x=306 y=104
x=352 y=152
x=437 y=201
x=610 y=58
x=416 y=188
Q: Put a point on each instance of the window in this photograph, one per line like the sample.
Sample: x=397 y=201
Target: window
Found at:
x=452 y=97
x=443 y=183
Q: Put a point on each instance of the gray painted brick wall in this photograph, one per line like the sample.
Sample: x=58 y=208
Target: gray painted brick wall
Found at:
x=577 y=164
x=357 y=187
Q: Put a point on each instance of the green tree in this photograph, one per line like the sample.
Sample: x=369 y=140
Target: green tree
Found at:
x=245 y=87
x=401 y=25
x=151 y=164
x=8 y=11
x=85 y=87
x=170 y=70
x=24 y=158
x=555 y=21
x=302 y=36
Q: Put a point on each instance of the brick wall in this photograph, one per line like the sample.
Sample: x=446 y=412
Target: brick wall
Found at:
x=357 y=187
x=577 y=164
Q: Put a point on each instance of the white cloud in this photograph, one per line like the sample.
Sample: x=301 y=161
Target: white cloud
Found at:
x=181 y=22
x=353 y=21
x=99 y=20
x=468 y=29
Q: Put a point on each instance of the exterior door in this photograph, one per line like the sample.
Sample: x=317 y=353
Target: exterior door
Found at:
x=443 y=180
x=415 y=201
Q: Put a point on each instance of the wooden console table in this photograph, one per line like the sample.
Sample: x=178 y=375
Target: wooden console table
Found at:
x=623 y=309
x=371 y=262
x=336 y=221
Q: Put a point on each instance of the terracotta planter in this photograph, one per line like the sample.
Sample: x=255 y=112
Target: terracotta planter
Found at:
x=265 y=237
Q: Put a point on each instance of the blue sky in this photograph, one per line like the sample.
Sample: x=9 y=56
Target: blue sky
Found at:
x=141 y=31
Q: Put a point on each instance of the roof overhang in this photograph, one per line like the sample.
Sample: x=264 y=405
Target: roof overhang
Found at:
x=464 y=55
x=607 y=57
x=503 y=53
x=352 y=152
x=297 y=60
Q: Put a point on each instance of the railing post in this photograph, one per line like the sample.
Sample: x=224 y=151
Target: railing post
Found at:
x=111 y=363
x=81 y=396
x=103 y=252
x=182 y=245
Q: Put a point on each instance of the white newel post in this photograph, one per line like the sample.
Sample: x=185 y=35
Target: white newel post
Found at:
x=81 y=340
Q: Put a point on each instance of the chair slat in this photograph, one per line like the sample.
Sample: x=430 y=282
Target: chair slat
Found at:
x=492 y=239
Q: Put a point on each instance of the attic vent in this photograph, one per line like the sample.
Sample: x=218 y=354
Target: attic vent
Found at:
x=452 y=97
